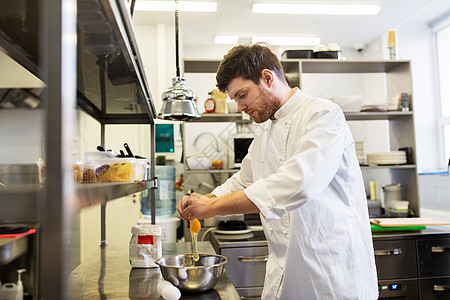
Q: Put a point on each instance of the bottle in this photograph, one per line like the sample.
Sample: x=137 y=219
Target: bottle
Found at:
x=19 y=284
x=404 y=104
x=210 y=104
x=392 y=45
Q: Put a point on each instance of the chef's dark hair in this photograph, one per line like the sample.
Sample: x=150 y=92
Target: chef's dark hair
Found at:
x=248 y=62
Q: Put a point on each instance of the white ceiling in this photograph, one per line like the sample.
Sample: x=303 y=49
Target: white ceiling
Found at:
x=234 y=17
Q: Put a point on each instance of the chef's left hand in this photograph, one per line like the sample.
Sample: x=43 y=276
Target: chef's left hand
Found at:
x=196 y=206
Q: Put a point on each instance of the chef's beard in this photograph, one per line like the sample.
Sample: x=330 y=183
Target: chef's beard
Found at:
x=264 y=106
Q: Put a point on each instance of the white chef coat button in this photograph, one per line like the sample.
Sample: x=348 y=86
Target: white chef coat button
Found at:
x=270 y=229
x=262 y=161
x=284 y=231
x=280 y=158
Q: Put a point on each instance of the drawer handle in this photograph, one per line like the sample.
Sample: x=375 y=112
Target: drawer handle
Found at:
x=440 y=249
x=250 y=298
x=253 y=258
x=441 y=288
x=388 y=252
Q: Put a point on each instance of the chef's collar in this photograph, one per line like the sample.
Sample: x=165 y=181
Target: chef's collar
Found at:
x=286 y=108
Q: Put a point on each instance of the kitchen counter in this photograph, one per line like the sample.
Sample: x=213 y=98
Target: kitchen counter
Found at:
x=107 y=274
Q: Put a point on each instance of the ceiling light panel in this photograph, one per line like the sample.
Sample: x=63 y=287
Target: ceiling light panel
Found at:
x=288 y=41
x=315 y=9
x=186 y=6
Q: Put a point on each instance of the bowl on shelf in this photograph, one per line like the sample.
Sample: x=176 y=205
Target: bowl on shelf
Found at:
x=197 y=162
x=192 y=276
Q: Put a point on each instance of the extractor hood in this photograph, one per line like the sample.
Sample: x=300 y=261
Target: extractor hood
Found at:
x=111 y=81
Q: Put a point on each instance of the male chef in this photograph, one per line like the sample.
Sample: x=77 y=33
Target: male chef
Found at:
x=302 y=175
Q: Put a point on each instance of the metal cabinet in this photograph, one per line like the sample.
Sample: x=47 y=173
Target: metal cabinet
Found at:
x=395 y=259
x=413 y=265
x=248 y=254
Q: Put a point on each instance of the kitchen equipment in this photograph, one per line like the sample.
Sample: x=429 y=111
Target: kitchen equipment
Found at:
x=387 y=158
x=327 y=54
x=398 y=209
x=198 y=162
x=238 y=145
x=248 y=255
x=232 y=106
x=307 y=53
x=169 y=228
x=179 y=102
x=196 y=276
x=392 y=192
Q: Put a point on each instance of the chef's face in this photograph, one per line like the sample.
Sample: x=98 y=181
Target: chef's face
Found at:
x=253 y=99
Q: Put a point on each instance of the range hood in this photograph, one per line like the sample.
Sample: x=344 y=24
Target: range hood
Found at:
x=111 y=82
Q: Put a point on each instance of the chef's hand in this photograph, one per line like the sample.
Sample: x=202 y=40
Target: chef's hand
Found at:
x=196 y=206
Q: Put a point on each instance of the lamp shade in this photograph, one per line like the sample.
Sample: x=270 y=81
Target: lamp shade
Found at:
x=178 y=102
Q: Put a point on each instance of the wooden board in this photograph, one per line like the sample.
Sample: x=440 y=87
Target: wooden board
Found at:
x=398 y=222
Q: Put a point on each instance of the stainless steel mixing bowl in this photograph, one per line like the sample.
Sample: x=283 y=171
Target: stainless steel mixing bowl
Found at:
x=192 y=276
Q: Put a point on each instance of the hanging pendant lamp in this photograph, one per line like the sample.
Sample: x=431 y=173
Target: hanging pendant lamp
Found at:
x=178 y=101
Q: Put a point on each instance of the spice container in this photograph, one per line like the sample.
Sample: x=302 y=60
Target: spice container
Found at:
x=88 y=172
x=77 y=172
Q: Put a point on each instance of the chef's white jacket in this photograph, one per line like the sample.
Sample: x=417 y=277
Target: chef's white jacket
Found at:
x=303 y=174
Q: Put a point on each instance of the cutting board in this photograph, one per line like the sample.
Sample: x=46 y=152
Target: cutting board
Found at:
x=398 y=222
x=377 y=228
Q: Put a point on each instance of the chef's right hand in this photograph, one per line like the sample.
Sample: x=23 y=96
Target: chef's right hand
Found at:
x=182 y=205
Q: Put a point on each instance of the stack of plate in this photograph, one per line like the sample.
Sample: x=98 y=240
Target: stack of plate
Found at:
x=387 y=158
x=359 y=146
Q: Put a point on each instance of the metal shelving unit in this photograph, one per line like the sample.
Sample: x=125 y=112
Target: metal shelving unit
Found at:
x=401 y=123
x=88 y=57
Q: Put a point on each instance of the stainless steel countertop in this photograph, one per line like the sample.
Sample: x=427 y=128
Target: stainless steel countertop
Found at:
x=107 y=274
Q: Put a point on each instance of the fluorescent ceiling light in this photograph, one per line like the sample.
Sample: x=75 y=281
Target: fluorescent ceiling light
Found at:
x=226 y=39
x=190 y=6
x=315 y=9
x=291 y=41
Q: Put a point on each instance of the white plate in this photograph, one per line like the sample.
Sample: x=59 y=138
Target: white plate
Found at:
x=233 y=231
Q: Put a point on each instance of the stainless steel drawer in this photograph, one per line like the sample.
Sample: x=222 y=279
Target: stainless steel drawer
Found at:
x=247 y=266
x=435 y=288
x=434 y=257
x=395 y=259
x=398 y=289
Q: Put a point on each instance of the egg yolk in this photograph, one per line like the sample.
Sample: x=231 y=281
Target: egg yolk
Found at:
x=195 y=226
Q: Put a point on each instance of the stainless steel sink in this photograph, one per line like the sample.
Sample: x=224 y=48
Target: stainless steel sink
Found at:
x=10 y=249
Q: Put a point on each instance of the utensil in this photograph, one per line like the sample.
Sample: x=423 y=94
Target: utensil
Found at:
x=192 y=276
x=130 y=154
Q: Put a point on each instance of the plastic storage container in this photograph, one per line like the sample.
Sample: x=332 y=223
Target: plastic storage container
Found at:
x=114 y=169
x=77 y=171
x=141 y=169
x=165 y=193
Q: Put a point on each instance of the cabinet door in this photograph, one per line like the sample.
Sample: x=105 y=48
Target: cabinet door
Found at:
x=247 y=266
x=435 y=288
x=395 y=259
x=434 y=257
x=398 y=289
